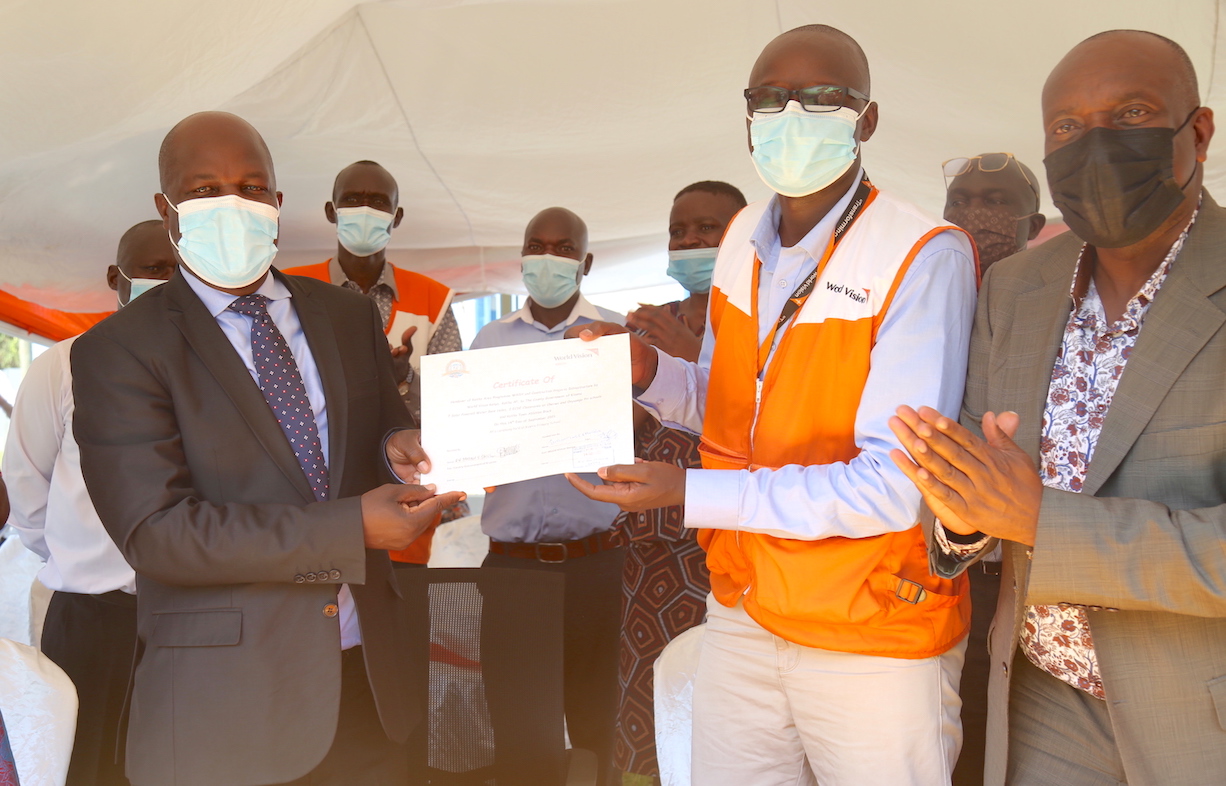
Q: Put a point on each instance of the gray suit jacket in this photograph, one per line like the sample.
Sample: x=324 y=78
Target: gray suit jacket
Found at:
x=1143 y=547
x=238 y=677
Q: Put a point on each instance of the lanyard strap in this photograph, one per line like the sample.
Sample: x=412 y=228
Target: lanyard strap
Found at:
x=854 y=208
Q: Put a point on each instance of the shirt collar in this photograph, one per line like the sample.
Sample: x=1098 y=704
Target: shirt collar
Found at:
x=582 y=308
x=1086 y=312
x=387 y=276
x=217 y=301
x=765 y=237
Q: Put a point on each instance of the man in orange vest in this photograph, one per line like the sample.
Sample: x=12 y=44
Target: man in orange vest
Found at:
x=416 y=310
x=831 y=654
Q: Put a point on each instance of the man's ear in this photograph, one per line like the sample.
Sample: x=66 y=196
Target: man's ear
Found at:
x=399 y=216
x=280 y=199
x=112 y=277
x=162 y=205
x=330 y=212
x=868 y=122
x=587 y=265
x=1037 y=222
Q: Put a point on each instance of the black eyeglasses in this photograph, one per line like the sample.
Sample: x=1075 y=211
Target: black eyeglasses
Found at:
x=819 y=98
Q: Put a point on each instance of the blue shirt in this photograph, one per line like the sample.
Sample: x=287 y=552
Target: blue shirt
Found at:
x=919 y=359
x=237 y=328
x=544 y=510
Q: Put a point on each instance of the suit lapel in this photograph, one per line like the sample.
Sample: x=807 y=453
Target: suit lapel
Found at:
x=1034 y=341
x=1177 y=326
x=213 y=348
x=321 y=336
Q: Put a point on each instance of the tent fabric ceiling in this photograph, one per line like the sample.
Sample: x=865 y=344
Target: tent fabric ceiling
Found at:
x=489 y=111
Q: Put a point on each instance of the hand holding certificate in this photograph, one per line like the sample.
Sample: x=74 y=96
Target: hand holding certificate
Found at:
x=505 y=414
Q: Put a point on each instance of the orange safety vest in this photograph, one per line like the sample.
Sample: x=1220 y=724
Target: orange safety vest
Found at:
x=420 y=301
x=872 y=595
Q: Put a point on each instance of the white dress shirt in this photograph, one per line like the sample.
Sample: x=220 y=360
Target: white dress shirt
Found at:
x=51 y=509
x=919 y=359
x=237 y=328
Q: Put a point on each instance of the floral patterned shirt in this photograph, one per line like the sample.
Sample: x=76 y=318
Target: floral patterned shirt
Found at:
x=1088 y=368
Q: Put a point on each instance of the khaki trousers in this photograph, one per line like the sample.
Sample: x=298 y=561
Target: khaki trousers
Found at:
x=768 y=712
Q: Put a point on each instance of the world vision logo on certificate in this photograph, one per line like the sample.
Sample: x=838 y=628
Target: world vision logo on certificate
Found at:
x=455 y=369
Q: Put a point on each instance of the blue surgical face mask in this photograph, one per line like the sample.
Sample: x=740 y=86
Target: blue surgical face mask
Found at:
x=138 y=286
x=363 y=231
x=227 y=241
x=798 y=153
x=550 y=280
x=692 y=268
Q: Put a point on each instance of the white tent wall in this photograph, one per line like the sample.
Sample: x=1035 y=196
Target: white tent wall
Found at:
x=489 y=111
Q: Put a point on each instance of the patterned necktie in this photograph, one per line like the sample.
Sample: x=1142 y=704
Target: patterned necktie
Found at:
x=282 y=385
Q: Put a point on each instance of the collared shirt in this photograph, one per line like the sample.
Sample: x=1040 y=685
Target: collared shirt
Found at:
x=1087 y=372
x=51 y=509
x=544 y=510
x=923 y=340
x=237 y=328
x=446 y=335
x=383 y=291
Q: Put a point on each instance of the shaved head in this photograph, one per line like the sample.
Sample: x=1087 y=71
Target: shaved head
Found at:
x=366 y=172
x=558 y=229
x=203 y=129
x=1181 y=70
x=137 y=235
x=837 y=49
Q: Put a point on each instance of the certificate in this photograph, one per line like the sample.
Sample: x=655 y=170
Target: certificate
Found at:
x=505 y=414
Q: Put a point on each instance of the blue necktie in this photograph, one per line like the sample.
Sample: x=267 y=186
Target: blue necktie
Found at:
x=282 y=385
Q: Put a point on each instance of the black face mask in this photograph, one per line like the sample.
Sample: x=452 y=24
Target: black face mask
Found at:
x=1116 y=186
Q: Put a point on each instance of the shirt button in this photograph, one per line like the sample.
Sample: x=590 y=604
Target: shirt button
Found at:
x=310 y=577
x=783 y=283
x=334 y=574
x=299 y=578
x=331 y=610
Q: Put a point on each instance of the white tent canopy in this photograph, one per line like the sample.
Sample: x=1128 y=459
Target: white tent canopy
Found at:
x=488 y=111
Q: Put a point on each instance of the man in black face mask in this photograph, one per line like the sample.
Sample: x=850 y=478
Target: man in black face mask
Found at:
x=995 y=197
x=1100 y=357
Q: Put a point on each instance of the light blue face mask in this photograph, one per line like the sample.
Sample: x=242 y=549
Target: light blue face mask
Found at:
x=550 y=280
x=692 y=268
x=227 y=241
x=798 y=153
x=363 y=231
x=138 y=286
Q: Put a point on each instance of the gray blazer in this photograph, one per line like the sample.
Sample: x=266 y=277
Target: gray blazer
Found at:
x=1143 y=547
x=238 y=672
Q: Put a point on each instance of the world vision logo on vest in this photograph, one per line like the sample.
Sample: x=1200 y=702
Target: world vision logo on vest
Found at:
x=857 y=294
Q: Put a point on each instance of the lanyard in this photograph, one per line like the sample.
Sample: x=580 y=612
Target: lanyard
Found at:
x=859 y=201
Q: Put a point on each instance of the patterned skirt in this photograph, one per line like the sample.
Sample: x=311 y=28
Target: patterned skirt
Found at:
x=664 y=593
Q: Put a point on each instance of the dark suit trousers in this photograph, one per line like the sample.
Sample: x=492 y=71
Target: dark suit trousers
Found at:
x=985 y=589
x=92 y=638
x=591 y=629
x=361 y=753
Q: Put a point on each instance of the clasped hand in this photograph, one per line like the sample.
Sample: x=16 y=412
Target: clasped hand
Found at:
x=971 y=484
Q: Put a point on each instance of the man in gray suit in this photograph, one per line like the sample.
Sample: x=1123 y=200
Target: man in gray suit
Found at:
x=1100 y=357
x=233 y=426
